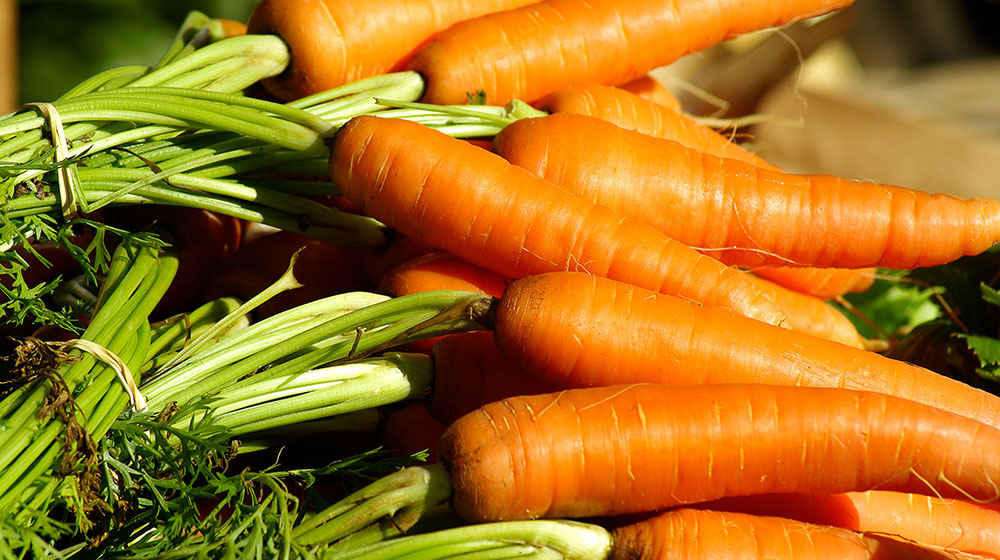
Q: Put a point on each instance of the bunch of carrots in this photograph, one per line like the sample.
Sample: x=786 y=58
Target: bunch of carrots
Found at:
x=658 y=365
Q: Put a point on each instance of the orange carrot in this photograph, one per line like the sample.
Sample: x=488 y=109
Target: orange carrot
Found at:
x=528 y=52
x=748 y=215
x=955 y=524
x=469 y=372
x=402 y=248
x=811 y=315
x=575 y=330
x=411 y=429
x=634 y=448
x=336 y=42
x=440 y=271
x=691 y=534
x=631 y=111
x=231 y=27
x=652 y=90
x=824 y=283
x=476 y=206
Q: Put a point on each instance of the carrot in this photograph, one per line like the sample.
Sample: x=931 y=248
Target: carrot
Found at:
x=232 y=27
x=748 y=215
x=412 y=429
x=652 y=90
x=811 y=315
x=824 y=283
x=627 y=110
x=633 y=448
x=955 y=524
x=528 y=52
x=691 y=534
x=401 y=249
x=336 y=42
x=469 y=372
x=630 y=111
x=575 y=330
x=473 y=204
x=440 y=271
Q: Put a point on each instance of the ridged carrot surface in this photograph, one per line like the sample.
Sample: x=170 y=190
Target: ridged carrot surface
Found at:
x=811 y=315
x=528 y=52
x=748 y=215
x=336 y=42
x=824 y=283
x=629 y=110
x=575 y=330
x=475 y=205
x=652 y=90
x=638 y=448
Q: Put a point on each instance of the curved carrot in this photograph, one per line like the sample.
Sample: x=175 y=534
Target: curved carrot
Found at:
x=469 y=372
x=476 y=206
x=955 y=524
x=693 y=534
x=811 y=315
x=401 y=249
x=631 y=111
x=528 y=52
x=824 y=283
x=652 y=90
x=575 y=330
x=336 y=42
x=748 y=215
x=440 y=271
x=634 y=448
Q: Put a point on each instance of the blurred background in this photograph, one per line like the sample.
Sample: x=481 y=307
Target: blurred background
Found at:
x=899 y=91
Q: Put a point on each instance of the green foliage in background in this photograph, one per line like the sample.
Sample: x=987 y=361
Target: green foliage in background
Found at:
x=62 y=42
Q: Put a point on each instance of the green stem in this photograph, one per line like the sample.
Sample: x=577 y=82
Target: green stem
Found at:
x=405 y=496
x=336 y=339
x=172 y=335
x=567 y=540
x=322 y=393
x=267 y=52
x=360 y=421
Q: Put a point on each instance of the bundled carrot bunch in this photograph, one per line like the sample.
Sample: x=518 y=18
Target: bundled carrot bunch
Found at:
x=658 y=356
